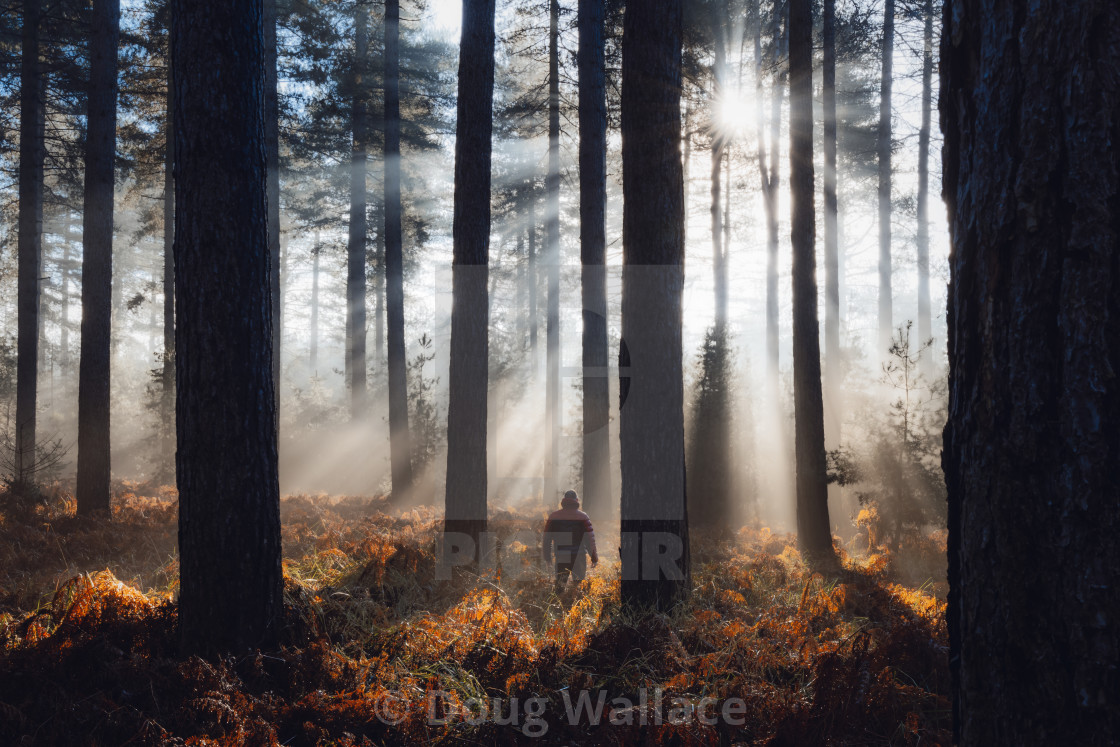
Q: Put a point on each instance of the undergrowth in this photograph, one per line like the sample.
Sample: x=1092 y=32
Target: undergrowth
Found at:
x=380 y=651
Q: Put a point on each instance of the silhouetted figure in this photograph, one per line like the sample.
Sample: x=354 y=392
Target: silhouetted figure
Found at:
x=570 y=530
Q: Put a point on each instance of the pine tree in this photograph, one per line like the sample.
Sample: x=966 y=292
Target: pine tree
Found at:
x=231 y=585
x=93 y=493
x=883 y=148
x=356 y=246
x=654 y=544
x=814 y=532
x=400 y=442
x=466 y=412
x=593 y=198
x=1029 y=109
x=552 y=261
x=32 y=152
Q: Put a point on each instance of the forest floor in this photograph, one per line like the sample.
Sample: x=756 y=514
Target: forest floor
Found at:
x=379 y=651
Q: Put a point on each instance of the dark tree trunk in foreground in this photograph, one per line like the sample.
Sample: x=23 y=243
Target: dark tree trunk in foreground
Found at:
x=467 y=378
x=925 y=325
x=356 y=246
x=813 y=530
x=654 y=543
x=92 y=491
x=552 y=262
x=886 y=323
x=1031 y=115
x=593 y=247
x=400 y=441
x=167 y=375
x=833 y=374
x=229 y=514
x=272 y=152
x=30 y=242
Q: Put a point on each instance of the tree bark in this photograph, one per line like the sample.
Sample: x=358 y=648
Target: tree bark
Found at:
x=593 y=247
x=93 y=492
x=400 y=440
x=886 y=322
x=925 y=323
x=719 y=142
x=1029 y=109
x=832 y=367
x=272 y=146
x=356 y=245
x=654 y=541
x=380 y=354
x=813 y=529
x=520 y=302
x=64 y=325
x=534 y=286
x=467 y=379
x=30 y=241
x=764 y=175
x=229 y=514
x=553 y=415
x=716 y=213
x=167 y=375
x=313 y=353
x=780 y=33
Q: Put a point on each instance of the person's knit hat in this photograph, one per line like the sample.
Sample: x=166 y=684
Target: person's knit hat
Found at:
x=570 y=500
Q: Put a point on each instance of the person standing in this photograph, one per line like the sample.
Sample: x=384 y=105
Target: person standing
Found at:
x=569 y=530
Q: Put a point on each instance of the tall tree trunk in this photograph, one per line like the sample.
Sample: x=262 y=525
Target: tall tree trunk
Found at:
x=654 y=542
x=520 y=303
x=534 y=285
x=593 y=256
x=925 y=324
x=356 y=245
x=400 y=441
x=167 y=375
x=379 y=347
x=231 y=586
x=716 y=211
x=723 y=279
x=886 y=323
x=831 y=230
x=553 y=415
x=1031 y=118
x=780 y=34
x=763 y=171
x=467 y=377
x=152 y=320
x=30 y=242
x=313 y=353
x=92 y=493
x=64 y=327
x=719 y=256
x=813 y=530
x=272 y=146
x=686 y=159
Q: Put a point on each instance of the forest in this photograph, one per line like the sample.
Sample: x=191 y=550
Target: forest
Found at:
x=559 y=371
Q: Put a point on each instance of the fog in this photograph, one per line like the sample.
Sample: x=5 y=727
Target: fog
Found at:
x=324 y=449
